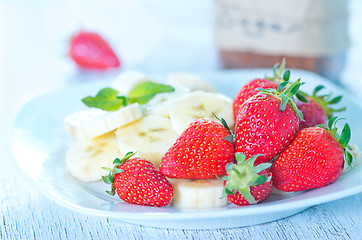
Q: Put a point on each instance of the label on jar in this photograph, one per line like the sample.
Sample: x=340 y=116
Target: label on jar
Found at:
x=307 y=28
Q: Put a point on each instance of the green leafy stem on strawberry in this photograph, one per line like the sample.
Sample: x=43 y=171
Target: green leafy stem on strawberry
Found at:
x=115 y=170
x=243 y=175
x=279 y=74
x=230 y=137
x=286 y=92
x=323 y=100
x=343 y=138
x=108 y=98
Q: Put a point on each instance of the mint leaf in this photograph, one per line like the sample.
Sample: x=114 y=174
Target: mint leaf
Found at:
x=106 y=99
x=145 y=91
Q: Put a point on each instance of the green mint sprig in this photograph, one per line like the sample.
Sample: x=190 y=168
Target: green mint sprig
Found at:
x=145 y=91
x=108 y=98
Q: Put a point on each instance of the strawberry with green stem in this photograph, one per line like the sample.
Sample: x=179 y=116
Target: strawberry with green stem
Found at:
x=267 y=122
x=246 y=184
x=201 y=152
x=315 y=158
x=252 y=87
x=316 y=108
x=137 y=181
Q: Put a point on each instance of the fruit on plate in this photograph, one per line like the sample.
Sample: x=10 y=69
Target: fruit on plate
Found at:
x=150 y=137
x=202 y=151
x=94 y=122
x=247 y=183
x=198 y=193
x=86 y=157
x=137 y=181
x=252 y=87
x=315 y=158
x=199 y=104
x=317 y=109
x=267 y=122
x=189 y=81
x=90 y=50
x=176 y=128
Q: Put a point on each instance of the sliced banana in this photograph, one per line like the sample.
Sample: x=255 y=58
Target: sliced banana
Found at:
x=74 y=121
x=127 y=80
x=123 y=116
x=203 y=193
x=189 y=81
x=92 y=122
x=150 y=137
x=159 y=105
x=86 y=157
x=199 y=104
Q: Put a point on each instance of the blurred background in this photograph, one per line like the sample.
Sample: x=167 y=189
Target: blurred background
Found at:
x=154 y=36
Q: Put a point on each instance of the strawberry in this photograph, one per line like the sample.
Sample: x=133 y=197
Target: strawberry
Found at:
x=137 y=181
x=315 y=158
x=246 y=184
x=316 y=109
x=90 y=50
x=267 y=122
x=202 y=151
x=249 y=90
x=252 y=87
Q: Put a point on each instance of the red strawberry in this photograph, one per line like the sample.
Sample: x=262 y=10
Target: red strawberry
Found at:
x=137 y=181
x=90 y=50
x=267 y=122
x=202 y=151
x=317 y=110
x=315 y=158
x=249 y=90
x=245 y=183
x=252 y=87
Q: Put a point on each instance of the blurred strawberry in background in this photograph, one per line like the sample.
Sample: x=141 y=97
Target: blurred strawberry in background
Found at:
x=90 y=50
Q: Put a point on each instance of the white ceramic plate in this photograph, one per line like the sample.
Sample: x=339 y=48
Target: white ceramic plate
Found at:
x=39 y=142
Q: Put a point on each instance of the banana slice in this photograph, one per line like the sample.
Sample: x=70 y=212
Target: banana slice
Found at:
x=86 y=157
x=204 y=193
x=127 y=80
x=159 y=105
x=92 y=123
x=199 y=104
x=150 y=136
x=75 y=121
x=189 y=81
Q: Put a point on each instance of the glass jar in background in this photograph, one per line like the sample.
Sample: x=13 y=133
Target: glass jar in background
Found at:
x=311 y=34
